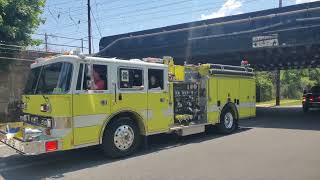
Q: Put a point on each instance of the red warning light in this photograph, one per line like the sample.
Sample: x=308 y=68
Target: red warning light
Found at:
x=51 y=146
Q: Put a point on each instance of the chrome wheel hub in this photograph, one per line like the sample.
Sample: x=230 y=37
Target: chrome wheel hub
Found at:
x=123 y=137
x=228 y=120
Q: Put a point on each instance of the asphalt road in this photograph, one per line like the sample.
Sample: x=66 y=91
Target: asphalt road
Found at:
x=281 y=143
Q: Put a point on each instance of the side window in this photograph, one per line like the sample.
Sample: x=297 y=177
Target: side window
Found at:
x=79 y=81
x=155 y=79
x=130 y=78
x=94 y=78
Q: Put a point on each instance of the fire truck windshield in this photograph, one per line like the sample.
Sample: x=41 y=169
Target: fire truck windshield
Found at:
x=52 y=78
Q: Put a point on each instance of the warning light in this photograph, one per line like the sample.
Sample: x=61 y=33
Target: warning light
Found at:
x=51 y=146
x=244 y=62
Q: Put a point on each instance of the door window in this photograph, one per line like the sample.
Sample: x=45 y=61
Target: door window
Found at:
x=155 y=79
x=130 y=78
x=92 y=77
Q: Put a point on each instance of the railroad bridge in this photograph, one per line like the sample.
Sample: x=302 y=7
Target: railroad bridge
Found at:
x=274 y=39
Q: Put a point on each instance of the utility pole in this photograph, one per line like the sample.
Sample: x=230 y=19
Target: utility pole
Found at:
x=46 y=41
x=277 y=75
x=89 y=26
x=280 y=3
x=82 y=45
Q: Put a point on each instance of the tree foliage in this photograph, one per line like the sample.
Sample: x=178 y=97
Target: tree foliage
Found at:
x=293 y=82
x=19 y=19
x=265 y=87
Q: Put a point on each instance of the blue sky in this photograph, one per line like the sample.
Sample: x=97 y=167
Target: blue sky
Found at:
x=69 y=17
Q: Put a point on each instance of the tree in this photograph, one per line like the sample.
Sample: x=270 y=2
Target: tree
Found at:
x=291 y=84
x=265 y=86
x=18 y=20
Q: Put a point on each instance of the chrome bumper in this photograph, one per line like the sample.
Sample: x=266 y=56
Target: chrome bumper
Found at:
x=27 y=148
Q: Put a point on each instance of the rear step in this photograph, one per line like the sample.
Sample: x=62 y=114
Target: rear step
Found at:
x=188 y=130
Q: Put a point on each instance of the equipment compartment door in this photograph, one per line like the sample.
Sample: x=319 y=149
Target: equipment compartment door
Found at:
x=245 y=98
x=253 y=97
x=160 y=109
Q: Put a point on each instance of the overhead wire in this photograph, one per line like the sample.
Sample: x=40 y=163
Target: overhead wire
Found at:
x=159 y=11
x=150 y=12
x=137 y=11
x=97 y=25
x=169 y=15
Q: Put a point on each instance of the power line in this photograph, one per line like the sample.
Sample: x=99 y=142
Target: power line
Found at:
x=17 y=59
x=53 y=16
x=138 y=11
x=150 y=8
x=79 y=8
x=159 y=11
x=64 y=37
x=64 y=45
x=95 y=21
x=170 y=15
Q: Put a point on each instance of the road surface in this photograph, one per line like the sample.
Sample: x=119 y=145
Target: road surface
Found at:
x=281 y=143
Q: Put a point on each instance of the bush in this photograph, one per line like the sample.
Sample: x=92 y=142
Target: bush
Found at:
x=265 y=87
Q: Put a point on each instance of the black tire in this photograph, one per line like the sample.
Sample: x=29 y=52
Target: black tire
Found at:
x=109 y=146
x=305 y=108
x=226 y=128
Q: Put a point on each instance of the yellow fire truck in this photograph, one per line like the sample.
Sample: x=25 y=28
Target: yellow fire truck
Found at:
x=75 y=101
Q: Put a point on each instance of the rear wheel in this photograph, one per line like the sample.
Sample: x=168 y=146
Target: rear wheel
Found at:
x=228 y=121
x=121 y=138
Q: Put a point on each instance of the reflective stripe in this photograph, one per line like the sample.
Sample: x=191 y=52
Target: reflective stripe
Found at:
x=89 y=120
x=60 y=132
x=62 y=122
x=145 y=113
x=247 y=105
x=213 y=108
x=168 y=112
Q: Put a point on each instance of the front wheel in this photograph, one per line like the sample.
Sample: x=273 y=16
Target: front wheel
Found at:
x=121 y=138
x=228 y=122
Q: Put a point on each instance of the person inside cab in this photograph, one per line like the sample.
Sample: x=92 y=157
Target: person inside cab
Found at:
x=98 y=81
x=154 y=83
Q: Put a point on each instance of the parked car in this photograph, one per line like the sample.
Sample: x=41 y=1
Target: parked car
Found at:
x=311 y=99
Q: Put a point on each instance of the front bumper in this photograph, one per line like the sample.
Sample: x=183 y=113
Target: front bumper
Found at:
x=28 y=147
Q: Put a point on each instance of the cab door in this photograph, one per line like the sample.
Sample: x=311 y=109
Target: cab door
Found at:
x=91 y=105
x=129 y=91
x=160 y=109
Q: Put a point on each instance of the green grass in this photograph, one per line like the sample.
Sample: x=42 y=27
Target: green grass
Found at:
x=283 y=102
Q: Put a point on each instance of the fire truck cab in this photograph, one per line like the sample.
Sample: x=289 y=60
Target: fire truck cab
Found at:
x=78 y=101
